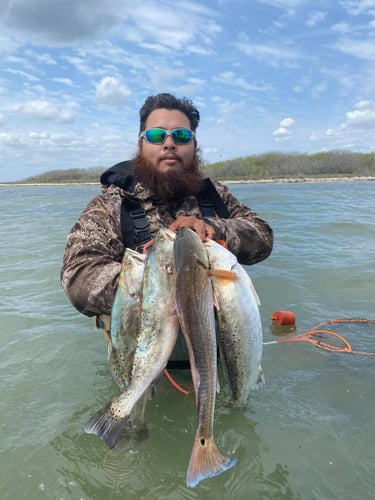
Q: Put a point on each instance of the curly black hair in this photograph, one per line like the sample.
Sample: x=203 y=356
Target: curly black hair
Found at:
x=169 y=101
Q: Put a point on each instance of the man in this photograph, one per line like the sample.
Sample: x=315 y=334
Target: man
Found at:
x=162 y=186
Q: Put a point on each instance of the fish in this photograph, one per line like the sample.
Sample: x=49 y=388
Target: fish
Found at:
x=158 y=328
x=125 y=316
x=239 y=322
x=194 y=303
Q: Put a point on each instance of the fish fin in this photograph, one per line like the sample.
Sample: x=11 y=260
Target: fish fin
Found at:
x=193 y=369
x=200 y=262
x=255 y=293
x=206 y=461
x=222 y=243
x=216 y=302
x=260 y=380
x=222 y=275
x=136 y=429
x=196 y=379
x=107 y=425
x=151 y=391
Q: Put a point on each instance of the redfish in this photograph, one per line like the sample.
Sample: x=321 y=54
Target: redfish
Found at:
x=195 y=307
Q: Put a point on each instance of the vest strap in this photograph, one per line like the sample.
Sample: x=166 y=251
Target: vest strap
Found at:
x=134 y=224
x=135 y=227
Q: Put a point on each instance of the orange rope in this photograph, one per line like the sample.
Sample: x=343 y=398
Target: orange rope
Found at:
x=146 y=245
x=311 y=336
x=174 y=383
x=351 y=320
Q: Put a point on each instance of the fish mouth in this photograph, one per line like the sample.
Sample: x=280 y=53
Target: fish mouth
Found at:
x=139 y=256
x=169 y=234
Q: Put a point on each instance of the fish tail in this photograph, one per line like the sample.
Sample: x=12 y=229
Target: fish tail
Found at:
x=206 y=461
x=107 y=425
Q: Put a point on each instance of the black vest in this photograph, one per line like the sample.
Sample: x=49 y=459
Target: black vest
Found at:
x=135 y=227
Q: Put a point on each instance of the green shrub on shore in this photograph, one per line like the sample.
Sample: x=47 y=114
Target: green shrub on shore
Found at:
x=71 y=175
x=275 y=165
x=267 y=166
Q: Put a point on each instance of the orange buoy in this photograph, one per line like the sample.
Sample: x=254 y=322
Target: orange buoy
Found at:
x=283 y=318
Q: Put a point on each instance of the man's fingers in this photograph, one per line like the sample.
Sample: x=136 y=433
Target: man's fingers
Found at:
x=203 y=230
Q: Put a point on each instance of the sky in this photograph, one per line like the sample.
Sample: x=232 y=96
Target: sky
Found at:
x=266 y=75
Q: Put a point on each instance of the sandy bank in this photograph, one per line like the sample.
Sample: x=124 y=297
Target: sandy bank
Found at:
x=249 y=181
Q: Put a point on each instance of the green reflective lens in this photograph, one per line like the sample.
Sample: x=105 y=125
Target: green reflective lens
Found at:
x=181 y=135
x=159 y=135
x=156 y=135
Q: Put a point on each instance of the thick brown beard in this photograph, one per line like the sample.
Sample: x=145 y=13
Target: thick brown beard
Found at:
x=172 y=185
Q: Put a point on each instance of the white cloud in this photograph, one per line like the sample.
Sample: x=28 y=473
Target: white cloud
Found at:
x=331 y=132
x=172 y=28
x=111 y=91
x=318 y=89
x=43 y=58
x=342 y=28
x=283 y=4
x=230 y=78
x=23 y=74
x=161 y=78
x=355 y=7
x=356 y=132
x=65 y=81
x=316 y=17
x=282 y=134
x=46 y=110
x=361 y=118
x=287 y=122
x=362 y=49
x=2 y=119
x=365 y=105
x=274 y=55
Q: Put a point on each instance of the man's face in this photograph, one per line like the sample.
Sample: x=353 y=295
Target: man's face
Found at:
x=167 y=157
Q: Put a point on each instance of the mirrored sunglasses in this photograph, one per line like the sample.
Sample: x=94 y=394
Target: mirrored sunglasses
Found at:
x=159 y=135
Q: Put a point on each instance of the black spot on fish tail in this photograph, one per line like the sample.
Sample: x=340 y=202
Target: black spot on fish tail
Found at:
x=107 y=425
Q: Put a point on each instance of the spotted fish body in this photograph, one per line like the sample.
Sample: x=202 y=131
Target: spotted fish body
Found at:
x=240 y=328
x=125 y=317
x=158 y=327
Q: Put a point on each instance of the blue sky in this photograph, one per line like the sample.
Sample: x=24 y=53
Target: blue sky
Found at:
x=266 y=75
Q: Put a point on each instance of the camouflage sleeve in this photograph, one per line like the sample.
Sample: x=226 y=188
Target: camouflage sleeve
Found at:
x=248 y=236
x=92 y=258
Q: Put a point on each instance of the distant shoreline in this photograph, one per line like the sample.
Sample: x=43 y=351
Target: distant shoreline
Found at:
x=244 y=181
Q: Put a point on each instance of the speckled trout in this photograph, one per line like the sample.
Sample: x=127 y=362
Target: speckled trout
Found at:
x=240 y=328
x=158 y=329
x=125 y=317
x=195 y=307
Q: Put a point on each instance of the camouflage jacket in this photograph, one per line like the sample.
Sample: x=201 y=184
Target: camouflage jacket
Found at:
x=94 y=247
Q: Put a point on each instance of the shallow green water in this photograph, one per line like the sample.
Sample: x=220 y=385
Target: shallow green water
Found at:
x=308 y=434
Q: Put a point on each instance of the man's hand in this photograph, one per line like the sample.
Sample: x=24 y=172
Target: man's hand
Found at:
x=204 y=231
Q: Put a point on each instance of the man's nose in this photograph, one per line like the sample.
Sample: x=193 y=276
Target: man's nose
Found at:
x=169 y=143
